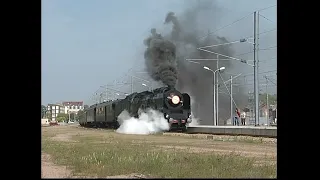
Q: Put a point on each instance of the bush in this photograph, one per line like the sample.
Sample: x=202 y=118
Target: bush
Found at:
x=61 y=119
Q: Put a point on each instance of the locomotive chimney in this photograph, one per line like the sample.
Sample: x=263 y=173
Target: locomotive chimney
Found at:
x=170 y=87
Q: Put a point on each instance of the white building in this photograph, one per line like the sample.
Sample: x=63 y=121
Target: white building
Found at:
x=53 y=110
x=72 y=106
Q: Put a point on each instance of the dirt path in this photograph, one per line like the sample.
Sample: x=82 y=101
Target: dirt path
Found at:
x=50 y=170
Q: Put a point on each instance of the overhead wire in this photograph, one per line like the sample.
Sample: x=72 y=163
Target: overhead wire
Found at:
x=266 y=18
x=213 y=32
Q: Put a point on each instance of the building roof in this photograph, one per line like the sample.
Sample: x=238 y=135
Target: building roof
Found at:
x=72 y=103
x=54 y=104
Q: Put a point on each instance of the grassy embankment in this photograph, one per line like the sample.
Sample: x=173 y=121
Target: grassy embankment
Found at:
x=106 y=153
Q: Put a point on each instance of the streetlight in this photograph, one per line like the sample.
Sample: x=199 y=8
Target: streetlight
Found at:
x=143 y=84
x=222 y=68
x=214 y=92
x=141 y=80
x=121 y=94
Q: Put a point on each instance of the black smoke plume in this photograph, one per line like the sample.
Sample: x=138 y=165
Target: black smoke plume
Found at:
x=166 y=60
x=160 y=59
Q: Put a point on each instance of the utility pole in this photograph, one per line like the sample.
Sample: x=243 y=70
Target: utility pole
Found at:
x=214 y=93
x=255 y=64
x=100 y=97
x=96 y=98
x=267 y=114
x=214 y=99
x=217 y=91
x=276 y=115
x=231 y=101
x=107 y=92
x=131 y=84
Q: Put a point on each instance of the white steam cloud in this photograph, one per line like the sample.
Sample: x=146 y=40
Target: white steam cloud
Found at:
x=149 y=122
x=195 y=120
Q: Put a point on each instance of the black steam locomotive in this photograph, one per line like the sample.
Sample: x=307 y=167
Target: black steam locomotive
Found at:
x=174 y=105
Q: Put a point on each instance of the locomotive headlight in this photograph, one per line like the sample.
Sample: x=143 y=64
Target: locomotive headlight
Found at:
x=167 y=116
x=175 y=99
x=170 y=120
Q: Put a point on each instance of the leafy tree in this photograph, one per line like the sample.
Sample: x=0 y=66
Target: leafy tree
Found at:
x=79 y=114
x=49 y=116
x=72 y=116
x=62 y=117
x=43 y=111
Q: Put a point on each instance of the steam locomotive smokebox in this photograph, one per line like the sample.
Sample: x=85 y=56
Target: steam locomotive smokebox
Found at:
x=173 y=99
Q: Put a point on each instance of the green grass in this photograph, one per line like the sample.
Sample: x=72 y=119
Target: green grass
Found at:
x=246 y=139
x=111 y=155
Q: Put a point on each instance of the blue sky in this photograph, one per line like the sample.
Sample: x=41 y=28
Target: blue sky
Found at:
x=88 y=43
